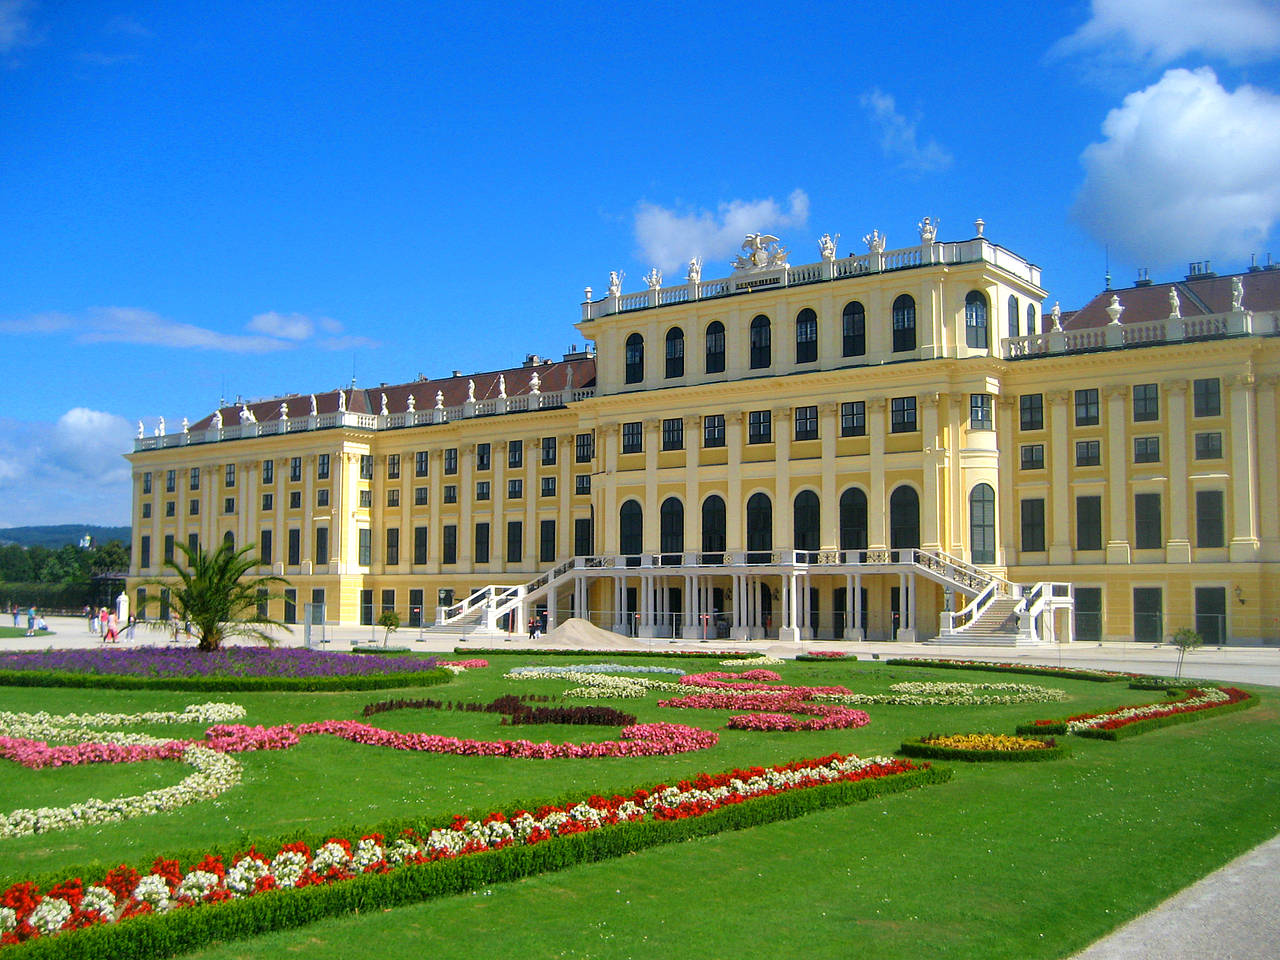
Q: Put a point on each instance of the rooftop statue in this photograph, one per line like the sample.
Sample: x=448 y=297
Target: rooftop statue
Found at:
x=1056 y=316
x=1175 y=305
x=502 y=386
x=615 y=282
x=217 y=419
x=342 y=401
x=313 y=404
x=246 y=415
x=413 y=403
x=439 y=399
x=535 y=383
x=471 y=391
x=653 y=279
x=383 y=410
x=1237 y=294
x=186 y=425
x=284 y=410
x=827 y=246
x=695 y=270
x=141 y=432
x=160 y=428
x=763 y=253
x=874 y=241
x=928 y=230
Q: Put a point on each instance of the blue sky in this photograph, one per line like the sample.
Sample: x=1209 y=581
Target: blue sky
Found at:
x=260 y=198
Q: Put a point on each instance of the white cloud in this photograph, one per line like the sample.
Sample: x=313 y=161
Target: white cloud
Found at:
x=1187 y=171
x=89 y=443
x=1161 y=31
x=899 y=139
x=290 y=326
x=668 y=239
x=15 y=29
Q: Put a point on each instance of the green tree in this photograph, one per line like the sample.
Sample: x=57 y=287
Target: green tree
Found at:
x=212 y=593
x=391 y=620
x=111 y=557
x=1185 y=640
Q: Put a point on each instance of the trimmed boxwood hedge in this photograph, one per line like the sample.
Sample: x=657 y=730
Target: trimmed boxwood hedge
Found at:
x=817 y=658
x=918 y=748
x=561 y=652
x=1041 y=729
x=1039 y=671
x=225 y=684
x=1155 y=723
x=190 y=928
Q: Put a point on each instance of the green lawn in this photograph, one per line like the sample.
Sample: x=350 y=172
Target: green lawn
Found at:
x=1006 y=860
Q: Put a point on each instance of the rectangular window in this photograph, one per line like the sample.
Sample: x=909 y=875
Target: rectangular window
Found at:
x=393 y=497
x=760 y=426
x=364 y=555
x=420 y=461
x=268 y=471
x=1146 y=449
x=264 y=547
x=193 y=508
x=1207 y=397
x=193 y=481
x=450 y=493
x=146 y=511
x=388 y=600
x=450 y=461
x=229 y=476
x=1088 y=523
x=1208 y=446
x=713 y=430
x=482 y=489
x=295 y=470
x=322 y=467
x=515 y=489
x=515 y=453
x=295 y=500
x=144 y=552
x=806 y=423
x=322 y=546
x=1088 y=453
x=170 y=481
x=1211 y=614
x=170 y=508
x=1032 y=526
x=168 y=548
x=584 y=447
x=548 y=487
x=449 y=544
x=365 y=499
x=515 y=541
x=633 y=437
x=290 y=605
x=421 y=496
x=322 y=497
x=547 y=541
x=1031 y=411
x=582 y=546
x=1086 y=407
x=484 y=456
x=229 y=505
x=482 y=543
x=294 y=541
x=1088 y=613
x=1146 y=402
x=146 y=482
x=673 y=434
x=980 y=411
x=1032 y=456
x=853 y=418
x=393 y=466
x=1148 y=614
x=1147 y=529
x=902 y=415
x=582 y=484
x=268 y=501
x=421 y=539
x=548 y=450
x=1210 y=530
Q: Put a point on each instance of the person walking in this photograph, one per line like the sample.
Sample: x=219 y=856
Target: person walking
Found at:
x=102 y=621
x=31 y=621
x=112 y=634
x=13 y=608
x=92 y=616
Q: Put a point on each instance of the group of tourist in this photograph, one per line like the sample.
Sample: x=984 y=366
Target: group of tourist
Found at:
x=104 y=623
x=35 y=619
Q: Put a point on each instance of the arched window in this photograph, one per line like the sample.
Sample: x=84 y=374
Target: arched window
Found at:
x=675 y=353
x=715 y=347
x=1013 y=316
x=630 y=528
x=806 y=336
x=759 y=523
x=713 y=525
x=635 y=358
x=761 y=353
x=853 y=520
x=807 y=518
x=982 y=524
x=904 y=324
x=904 y=518
x=1031 y=319
x=671 y=526
x=975 y=319
x=229 y=539
x=855 y=329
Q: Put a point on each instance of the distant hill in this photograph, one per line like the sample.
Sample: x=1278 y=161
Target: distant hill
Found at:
x=61 y=534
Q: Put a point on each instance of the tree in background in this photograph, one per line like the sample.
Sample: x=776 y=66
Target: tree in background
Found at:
x=1185 y=640
x=213 y=594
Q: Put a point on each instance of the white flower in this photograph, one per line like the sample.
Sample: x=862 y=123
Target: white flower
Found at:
x=50 y=914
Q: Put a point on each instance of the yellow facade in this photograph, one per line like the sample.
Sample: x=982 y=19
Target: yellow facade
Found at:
x=1134 y=459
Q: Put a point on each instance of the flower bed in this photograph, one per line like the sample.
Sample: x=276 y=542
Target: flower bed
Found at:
x=824 y=656
x=656 y=654
x=978 y=747
x=1194 y=704
x=515 y=711
x=1071 y=673
x=125 y=912
x=230 y=668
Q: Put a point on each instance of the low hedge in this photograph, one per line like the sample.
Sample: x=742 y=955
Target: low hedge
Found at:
x=560 y=652
x=917 y=748
x=1155 y=723
x=824 y=658
x=1039 y=671
x=163 y=935
x=224 y=684
x=1038 y=729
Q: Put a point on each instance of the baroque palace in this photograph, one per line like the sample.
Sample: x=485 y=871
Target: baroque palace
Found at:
x=897 y=444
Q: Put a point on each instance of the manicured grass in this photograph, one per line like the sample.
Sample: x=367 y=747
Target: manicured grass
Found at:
x=1016 y=860
x=8 y=633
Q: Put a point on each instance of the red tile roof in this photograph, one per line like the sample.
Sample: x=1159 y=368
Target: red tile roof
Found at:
x=1201 y=296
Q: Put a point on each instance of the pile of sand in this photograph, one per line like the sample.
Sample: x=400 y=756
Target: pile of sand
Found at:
x=578 y=633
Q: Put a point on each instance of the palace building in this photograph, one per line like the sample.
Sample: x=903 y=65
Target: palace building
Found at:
x=897 y=444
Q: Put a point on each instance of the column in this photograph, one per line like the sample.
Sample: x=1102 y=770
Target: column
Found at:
x=735 y=509
x=829 y=430
x=1117 y=475
x=1008 y=512
x=783 y=528
x=789 y=631
x=853 y=629
x=1060 y=488
x=1178 y=549
x=1268 y=507
x=1244 y=470
x=806 y=609
x=930 y=503
x=877 y=502
x=466 y=497
x=652 y=442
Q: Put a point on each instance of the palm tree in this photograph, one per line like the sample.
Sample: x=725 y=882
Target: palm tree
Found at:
x=212 y=593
